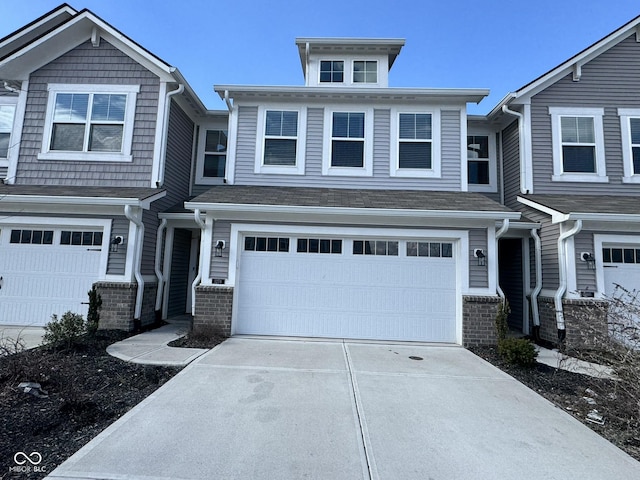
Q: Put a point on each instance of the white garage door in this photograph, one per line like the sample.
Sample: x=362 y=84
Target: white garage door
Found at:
x=347 y=288
x=44 y=271
x=621 y=267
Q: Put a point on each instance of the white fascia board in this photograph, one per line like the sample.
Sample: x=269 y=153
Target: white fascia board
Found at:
x=38 y=23
x=556 y=217
x=604 y=217
x=86 y=201
x=234 y=209
x=465 y=95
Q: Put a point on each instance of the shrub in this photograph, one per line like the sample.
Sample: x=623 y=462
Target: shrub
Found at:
x=93 y=315
x=502 y=327
x=517 y=351
x=64 y=331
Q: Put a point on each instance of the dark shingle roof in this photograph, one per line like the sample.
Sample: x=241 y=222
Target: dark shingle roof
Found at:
x=79 y=191
x=350 y=198
x=589 y=204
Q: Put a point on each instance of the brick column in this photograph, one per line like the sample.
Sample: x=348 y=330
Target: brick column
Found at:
x=585 y=321
x=213 y=309
x=478 y=320
x=119 y=302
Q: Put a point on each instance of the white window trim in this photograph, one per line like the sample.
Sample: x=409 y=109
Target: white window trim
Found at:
x=626 y=114
x=436 y=158
x=600 y=175
x=345 y=71
x=202 y=140
x=353 y=72
x=367 y=169
x=13 y=101
x=301 y=143
x=127 y=134
x=493 y=170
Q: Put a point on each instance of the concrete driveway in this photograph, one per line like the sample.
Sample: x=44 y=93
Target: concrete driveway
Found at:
x=278 y=409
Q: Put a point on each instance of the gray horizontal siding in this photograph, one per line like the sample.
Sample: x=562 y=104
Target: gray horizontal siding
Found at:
x=478 y=275
x=549 y=245
x=117 y=260
x=3 y=172
x=610 y=81
x=86 y=64
x=220 y=265
x=586 y=279
x=450 y=154
x=511 y=164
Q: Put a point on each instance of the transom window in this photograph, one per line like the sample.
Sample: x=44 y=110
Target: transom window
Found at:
x=331 y=71
x=621 y=255
x=415 y=136
x=32 y=237
x=578 y=144
x=280 y=137
x=430 y=249
x=266 y=244
x=215 y=154
x=375 y=247
x=365 y=71
x=319 y=245
x=7 y=113
x=68 y=237
x=478 y=159
x=347 y=139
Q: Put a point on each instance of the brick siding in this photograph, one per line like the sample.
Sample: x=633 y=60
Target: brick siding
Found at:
x=118 y=305
x=478 y=320
x=585 y=321
x=213 y=309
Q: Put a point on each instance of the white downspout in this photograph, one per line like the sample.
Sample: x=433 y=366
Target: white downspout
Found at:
x=165 y=132
x=522 y=147
x=538 y=288
x=227 y=100
x=137 y=256
x=562 y=273
x=500 y=233
x=196 y=281
x=159 y=273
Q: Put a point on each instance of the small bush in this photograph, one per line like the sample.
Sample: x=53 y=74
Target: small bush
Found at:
x=93 y=315
x=502 y=326
x=65 y=331
x=517 y=351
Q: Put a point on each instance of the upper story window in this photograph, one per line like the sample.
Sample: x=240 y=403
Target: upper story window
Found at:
x=214 y=156
x=578 y=144
x=415 y=151
x=348 y=143
x=478 y=159
x=89 y=122
x=630 y=129
x=280 y=148
x=365 y=71
x=331 y=71
x=7 y=112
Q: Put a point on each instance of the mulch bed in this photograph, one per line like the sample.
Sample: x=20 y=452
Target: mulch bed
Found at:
x=579 y=395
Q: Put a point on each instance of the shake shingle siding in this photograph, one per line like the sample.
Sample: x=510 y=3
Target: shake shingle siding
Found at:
x=86 y=64
x=610 y=81
x=381 y=155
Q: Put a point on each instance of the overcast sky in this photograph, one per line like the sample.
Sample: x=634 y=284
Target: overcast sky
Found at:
x=496 y=44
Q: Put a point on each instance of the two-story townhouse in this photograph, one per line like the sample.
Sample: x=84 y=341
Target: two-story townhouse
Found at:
x=96 y=139
x=348 y=207
x=570 y=158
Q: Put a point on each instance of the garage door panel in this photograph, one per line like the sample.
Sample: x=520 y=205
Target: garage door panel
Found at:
x=347 y=296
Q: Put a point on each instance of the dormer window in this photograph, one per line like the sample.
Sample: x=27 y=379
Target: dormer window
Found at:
x=365 y=71
x=331 y=71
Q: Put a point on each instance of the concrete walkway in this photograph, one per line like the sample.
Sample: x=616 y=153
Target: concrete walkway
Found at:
x=555 y=359
x=282 y=409
x=151 y=347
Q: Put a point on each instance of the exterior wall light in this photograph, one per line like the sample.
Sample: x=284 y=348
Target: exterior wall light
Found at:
x=482 y=258
x=589 y=258
x=219 y=247
x=115 y=242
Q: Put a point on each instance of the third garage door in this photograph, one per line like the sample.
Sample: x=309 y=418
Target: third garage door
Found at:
x=367 y=288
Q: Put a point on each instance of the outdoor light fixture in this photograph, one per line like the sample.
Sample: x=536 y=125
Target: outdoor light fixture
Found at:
x=219 y=247
x=588 y=257
x=482 y=258
x=115 y=241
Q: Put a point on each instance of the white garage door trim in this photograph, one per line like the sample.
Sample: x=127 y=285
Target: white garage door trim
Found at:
x=601 y=241
x=459 y=238
x=29 y=279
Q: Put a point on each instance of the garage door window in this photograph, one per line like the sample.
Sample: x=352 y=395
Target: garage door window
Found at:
x=266 y=244
x=319 y=245
x=32 y=237
x=68 y=237
x=621 y=255
x=375 y=247
x=430 y=249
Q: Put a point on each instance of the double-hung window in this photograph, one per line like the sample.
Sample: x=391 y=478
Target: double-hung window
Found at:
x=212 y=155
x=415 y=150
x=7 y=113
x=280 y=148
x=347 y=139
x=331 y=71
x=89 y=122
x=578 y=144
x=630 y=129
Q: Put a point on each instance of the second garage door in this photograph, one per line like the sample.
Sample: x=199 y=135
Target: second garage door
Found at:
x=365 y=288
